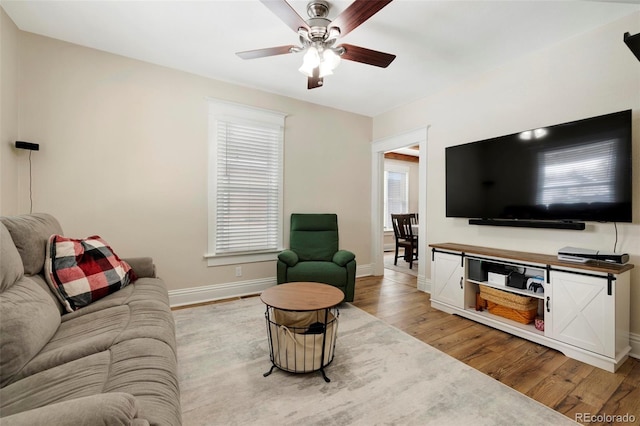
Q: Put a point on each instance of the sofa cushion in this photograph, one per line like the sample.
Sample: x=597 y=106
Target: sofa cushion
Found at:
x=30 y=234
x=315 y=245
x=12 y=269
x=321 y=272
x=145 y=368
x=112 y=409
x=83 y=377
x=314 y=236
x=149 y=289
x=96 y=332
x=82 y=271
x=44 y=285
x=29 y=319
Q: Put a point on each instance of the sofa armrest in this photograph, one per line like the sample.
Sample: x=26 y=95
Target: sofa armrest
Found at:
x=342 y=257
x=106 y=409
x=289 y=257
x=142 y=266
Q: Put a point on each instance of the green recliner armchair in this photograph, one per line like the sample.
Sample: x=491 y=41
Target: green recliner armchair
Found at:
x=314 y=256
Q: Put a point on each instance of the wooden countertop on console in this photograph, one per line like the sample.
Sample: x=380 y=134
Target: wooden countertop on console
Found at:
x=546 y=259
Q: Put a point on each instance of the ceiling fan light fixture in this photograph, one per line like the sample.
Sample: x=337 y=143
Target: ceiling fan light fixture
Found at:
x=325 y=69
x=330 y=57
x=310 y=61
x=306 y=70
x=330 y=61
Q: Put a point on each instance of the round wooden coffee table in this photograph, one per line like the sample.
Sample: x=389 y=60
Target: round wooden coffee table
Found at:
x=302 y=325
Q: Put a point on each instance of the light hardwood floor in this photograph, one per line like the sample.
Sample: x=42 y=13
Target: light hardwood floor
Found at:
x=568 y=386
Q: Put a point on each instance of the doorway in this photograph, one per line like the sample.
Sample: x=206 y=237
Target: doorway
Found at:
x=379 y=147
x=401 y=196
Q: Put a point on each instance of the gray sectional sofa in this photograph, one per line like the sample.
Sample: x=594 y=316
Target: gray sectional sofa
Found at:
x=112 y=362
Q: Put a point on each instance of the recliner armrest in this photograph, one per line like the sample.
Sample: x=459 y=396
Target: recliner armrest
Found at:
x=342 y=257
x=142 y=266
x=289 y=257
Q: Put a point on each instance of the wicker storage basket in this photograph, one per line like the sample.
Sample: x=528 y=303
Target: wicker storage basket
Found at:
x=294 y=347
x=522 y=309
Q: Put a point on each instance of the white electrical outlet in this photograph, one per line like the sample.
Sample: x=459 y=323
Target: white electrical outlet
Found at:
x=238 y=271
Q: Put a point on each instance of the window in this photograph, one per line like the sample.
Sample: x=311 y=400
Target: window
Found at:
x=396 y=192
x=245 y=183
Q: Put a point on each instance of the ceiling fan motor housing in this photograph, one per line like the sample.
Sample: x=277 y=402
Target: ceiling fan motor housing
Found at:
x=318 y=9
x=318 y=22
x=318 y=28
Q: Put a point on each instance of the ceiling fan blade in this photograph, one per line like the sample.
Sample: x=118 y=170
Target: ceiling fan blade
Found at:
x=367 y=56
x=286 y=13
x=358 y=12
x=315 y=80
x=261 y=53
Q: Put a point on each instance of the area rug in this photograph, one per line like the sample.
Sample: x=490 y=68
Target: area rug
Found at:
x=402 y=266
x=379 y=376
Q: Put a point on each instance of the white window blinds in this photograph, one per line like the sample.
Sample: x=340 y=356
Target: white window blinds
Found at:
x=246 y=197
x=396 y=197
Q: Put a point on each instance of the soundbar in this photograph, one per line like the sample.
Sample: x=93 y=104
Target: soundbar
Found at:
x=581 y=255
x=578 y=226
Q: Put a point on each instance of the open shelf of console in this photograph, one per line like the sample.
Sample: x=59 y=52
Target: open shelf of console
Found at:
x=522 y=292
x=585 y=307
x=485 y=316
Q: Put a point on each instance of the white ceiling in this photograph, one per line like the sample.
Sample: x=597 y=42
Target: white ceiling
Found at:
x=437 y=43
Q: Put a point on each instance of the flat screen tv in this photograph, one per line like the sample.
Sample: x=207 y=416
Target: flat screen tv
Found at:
x=577 y=171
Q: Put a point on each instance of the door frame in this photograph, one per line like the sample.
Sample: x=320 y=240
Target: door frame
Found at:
x=378 y=148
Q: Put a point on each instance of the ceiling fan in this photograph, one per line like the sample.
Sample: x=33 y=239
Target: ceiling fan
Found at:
x=318 y=36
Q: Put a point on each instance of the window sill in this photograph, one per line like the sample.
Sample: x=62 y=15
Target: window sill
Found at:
x=234 y=259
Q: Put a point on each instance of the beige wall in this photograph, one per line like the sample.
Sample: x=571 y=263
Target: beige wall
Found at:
x=12 y=161
x=588 y=75
x=124 y=155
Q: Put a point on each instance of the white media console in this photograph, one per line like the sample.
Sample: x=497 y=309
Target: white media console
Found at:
x=585 y=306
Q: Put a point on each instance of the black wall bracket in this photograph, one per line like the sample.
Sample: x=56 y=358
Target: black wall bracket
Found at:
x=28 y=145
x=633 y=43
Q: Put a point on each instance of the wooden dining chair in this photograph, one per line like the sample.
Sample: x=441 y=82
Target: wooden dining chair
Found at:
x=404 y=238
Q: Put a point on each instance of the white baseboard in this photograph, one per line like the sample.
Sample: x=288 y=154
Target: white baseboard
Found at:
x=364 y=270
x=209 y=293
x=424 y=284
x=634 y=341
